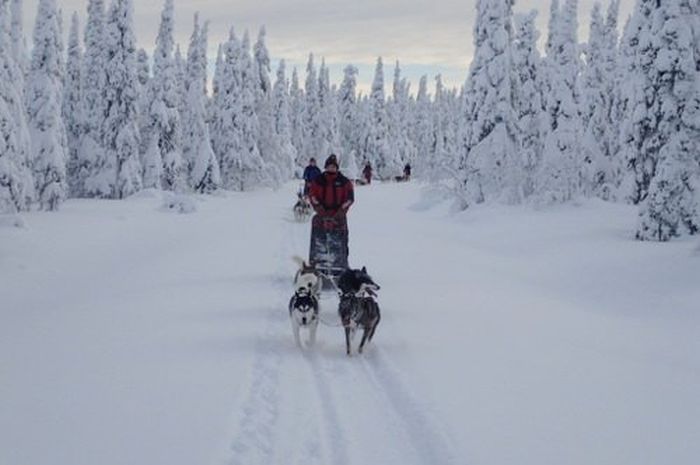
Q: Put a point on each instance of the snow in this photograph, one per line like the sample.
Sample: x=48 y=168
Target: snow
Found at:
x=509 y=335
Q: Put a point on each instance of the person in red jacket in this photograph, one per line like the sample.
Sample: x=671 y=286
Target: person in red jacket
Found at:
x=331 y=195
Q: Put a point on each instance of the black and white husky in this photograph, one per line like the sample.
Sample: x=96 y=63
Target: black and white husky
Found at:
x=303 y=306
x=358 y=306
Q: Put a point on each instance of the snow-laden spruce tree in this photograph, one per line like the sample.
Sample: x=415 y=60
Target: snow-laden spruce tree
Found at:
x=44 y=99
x=672 y=118
x=163 y=163
x=380 y=149
x=120 y=174
x=348 y=128
x=309 y=129
x=328 y=138
x=18 y=39
x=91 y=182
x=16 y=183
x=203 y=166
x=296 y=119
x=490 y=168
x=269 y=142
x=422 y=131
x=225 y=108
x=528 y=101
x=283 y=127
x=558 y=178
x=72 y=108
x=143 y=73
x=639 y=96
x=597 y=102
x=252 y=173
x=400 y=117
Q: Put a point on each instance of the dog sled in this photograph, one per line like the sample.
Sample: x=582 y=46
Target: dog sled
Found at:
x=328 y=251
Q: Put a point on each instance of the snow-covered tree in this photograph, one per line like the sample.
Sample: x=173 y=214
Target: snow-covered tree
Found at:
x=120 y=175
x=598 y=93
x=296 y=119
x=672 y=121
x=91 y=182
x=379 y=147
x=400 y=117
x=283 y=127
x=489 y=167
x=18 y=39
x=16 y=183
x=252 y=169
x=163 y=164
x=203 y=165
x=267 y=139
x=309 y=129
x=328 y=140
x=44 y=99
x=348 y=127
x=72 y=108
x=558 y=177
x=528 y=101
x=234 y=122
x=422 y=130
x=143 y=73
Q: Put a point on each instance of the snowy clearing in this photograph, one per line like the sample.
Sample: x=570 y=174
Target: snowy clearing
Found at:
x=132 y=335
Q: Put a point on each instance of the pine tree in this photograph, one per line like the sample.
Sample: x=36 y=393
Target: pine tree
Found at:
x=72 y=109
x=672 y=115
x=528 y=101
x=348 y=128
x=267 y=139
x=328 y=140
x=203 y=166
x=422 y=131
x=379 y=149
x=91 y=182
x=296 y=118
x=143 y=73
x=490 y=168
x=44 y=100
x=282 y=123
x=309 y=129
x=164 y=165
x=598 y=94
x=639 y=146
x=252 y=169
x=121 y=171
x=400 y=117
x=16 y=183
x=18 y=40
x=559 y=176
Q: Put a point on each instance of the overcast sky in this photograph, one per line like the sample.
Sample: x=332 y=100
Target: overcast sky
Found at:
x=427 y=36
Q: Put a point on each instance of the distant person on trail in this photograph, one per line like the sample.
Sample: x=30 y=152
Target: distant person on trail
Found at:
x=407 y=172
x=367 y=173
x=311 y=172
x=331 y=196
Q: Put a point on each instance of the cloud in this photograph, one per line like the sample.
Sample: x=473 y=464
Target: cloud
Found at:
x=434 y=36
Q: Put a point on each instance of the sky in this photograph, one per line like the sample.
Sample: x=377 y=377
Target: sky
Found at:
x=427 y=36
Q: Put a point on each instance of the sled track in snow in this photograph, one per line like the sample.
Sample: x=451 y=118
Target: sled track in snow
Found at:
x=425 y=434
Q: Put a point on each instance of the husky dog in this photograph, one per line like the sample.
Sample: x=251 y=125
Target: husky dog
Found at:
x=358 y=307
x=302 y=209
x=303 y=306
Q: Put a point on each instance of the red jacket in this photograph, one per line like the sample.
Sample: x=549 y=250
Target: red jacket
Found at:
x=330 y=193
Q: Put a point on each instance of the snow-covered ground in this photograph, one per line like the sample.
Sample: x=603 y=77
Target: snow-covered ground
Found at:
x=134 y=335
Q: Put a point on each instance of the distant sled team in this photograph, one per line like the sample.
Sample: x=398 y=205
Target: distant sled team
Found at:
x=357 y=309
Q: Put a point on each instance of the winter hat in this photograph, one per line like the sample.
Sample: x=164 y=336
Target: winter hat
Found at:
x=332 y=160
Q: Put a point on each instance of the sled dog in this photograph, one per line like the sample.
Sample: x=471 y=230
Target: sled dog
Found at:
x=358 y=307
x=303 y=306
x=302 y=209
